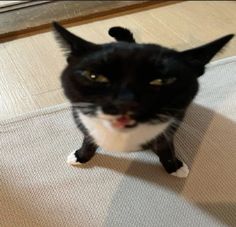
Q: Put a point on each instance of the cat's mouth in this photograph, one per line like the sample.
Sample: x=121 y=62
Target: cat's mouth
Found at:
x=123 y=121
x=118 y=121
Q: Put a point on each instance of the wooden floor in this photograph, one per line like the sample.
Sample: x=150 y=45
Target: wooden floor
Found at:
x=30 y=67
x=7 y=3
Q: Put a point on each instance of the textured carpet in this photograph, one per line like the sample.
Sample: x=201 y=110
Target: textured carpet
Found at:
x=38 y=188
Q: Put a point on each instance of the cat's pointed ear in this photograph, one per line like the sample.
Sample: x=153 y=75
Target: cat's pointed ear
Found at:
x=203 y=54
x=72 y=43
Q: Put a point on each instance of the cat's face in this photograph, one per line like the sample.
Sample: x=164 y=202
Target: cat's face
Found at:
x=136 y=83
x=128 y=83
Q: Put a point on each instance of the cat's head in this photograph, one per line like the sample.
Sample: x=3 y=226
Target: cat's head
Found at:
x=129 y=83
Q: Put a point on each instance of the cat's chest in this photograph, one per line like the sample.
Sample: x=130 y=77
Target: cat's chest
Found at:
x=117 y=140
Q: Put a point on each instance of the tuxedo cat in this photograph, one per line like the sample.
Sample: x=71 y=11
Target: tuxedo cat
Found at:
x=127 y=96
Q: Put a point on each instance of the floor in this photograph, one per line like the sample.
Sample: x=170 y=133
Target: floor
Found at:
x=7 y=3
x=30 y=67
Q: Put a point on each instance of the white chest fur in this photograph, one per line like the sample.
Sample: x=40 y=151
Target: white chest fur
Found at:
x=112 y=139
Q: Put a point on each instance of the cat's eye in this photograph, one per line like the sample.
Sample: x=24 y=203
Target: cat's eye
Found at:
x=160 y=82
x=94 y=77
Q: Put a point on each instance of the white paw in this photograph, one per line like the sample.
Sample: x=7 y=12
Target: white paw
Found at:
x=181 y=172
x=72 y=160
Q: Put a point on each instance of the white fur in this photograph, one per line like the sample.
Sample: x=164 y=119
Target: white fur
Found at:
x=181 y=172
x=112 y=139
x=71 y=159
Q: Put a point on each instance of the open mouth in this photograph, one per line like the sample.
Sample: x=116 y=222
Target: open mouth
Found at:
x=123 y=121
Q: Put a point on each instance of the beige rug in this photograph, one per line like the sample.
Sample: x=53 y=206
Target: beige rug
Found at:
x=38 y=188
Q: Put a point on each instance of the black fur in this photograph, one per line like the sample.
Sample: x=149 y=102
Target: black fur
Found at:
x=121 y=34
x=130 y=67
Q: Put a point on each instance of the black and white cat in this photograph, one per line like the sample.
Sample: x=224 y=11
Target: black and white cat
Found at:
x=127 y=96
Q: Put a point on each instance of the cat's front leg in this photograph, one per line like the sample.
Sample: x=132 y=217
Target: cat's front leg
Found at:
x=165 y=150
x=84 y=154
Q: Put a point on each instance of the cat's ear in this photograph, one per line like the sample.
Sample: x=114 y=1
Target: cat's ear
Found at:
x=72 y=43
x=203 y=54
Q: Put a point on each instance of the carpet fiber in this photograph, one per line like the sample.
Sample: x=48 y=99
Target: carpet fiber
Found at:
x=38 y=188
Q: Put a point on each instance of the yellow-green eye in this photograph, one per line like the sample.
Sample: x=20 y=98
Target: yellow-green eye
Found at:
x=160 y=82
x=94 y=77
x=157 y=82
x=98 y=78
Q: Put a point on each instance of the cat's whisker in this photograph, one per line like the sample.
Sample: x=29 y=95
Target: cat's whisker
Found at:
x=174 y=109
x=163 y=115
x=170 y=132
x=81 y=107
x=82 y=104
x=167 y=136
x=103 y=118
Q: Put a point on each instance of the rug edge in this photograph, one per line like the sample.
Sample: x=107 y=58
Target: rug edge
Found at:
x=36 y=113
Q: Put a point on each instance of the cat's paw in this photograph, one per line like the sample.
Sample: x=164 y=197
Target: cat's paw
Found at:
x=72 y=159
x=182 y=172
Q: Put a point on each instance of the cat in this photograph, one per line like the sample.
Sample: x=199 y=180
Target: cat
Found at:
x=127 y=96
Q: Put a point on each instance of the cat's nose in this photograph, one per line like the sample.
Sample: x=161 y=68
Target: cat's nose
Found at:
x=110 y=109
x=118 y=108
x=125 y=95
x=128 y=107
